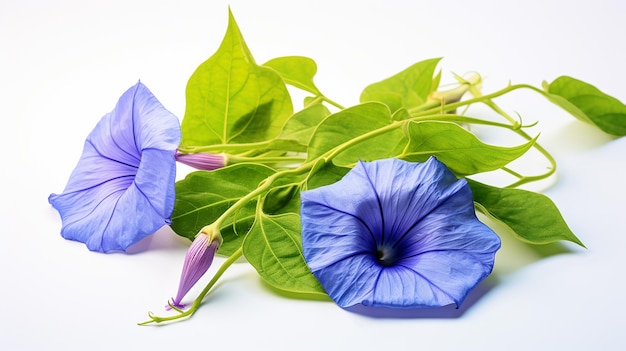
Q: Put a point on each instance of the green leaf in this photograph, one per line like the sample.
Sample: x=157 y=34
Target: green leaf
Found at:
x=532 y=217
x=406 y=89
x=346 y=125
x=300 y=127
x=297 y=71
x=294 y=136
x=325 y=174
x=274 y=249
x=587 y=103
x=284 y=196
x=231 y=99
x=203 y=196
x=458 y=148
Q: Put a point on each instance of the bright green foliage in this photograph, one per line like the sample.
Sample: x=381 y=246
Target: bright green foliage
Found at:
x=532 y=217
x=589 y=104
x=274 y=248
x=297 y=71
x=458 y=148
x=237 y=107
x=406 y=89
x=356 y=128
x=231 y=99
x=203 y=196
x=327 y=173
x=301 y=126
x=283 y=198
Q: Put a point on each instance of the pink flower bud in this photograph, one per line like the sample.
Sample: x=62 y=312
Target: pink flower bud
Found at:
x=202 y=160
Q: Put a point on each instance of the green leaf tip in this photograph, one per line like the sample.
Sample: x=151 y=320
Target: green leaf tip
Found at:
x=406 y=89
x=587 y=103
x=230 y=99
x=531 y=216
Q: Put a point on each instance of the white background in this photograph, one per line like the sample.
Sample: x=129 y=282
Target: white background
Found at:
x=63 y=64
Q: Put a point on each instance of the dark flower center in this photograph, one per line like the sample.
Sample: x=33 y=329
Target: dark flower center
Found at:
x=385 y=256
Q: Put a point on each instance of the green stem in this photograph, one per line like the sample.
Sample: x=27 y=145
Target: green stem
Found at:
x=398 y=124
x=330 y=154
x=219 y=148
x=332 y=103
x=463 y=119
x=264 y=186
x=422 y=110
x=198 y=301
x=501 y=112
x=232 y=159
x=528 y=179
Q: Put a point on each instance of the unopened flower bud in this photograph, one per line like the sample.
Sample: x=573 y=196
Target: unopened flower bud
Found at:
x=202 y=160
x=197 y=261
x=468 y=83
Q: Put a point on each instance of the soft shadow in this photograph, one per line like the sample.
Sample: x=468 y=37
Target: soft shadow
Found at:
x=551 y=249
x=162 y=239
x=445 y=312
x=576 y=137
x=533 y=254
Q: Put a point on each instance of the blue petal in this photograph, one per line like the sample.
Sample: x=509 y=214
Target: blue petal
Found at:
x=122 y=188
x=419 y=213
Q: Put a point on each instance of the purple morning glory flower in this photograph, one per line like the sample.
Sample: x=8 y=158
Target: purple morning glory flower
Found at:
x=396 y=234
x=197 y=261
x=122 y=188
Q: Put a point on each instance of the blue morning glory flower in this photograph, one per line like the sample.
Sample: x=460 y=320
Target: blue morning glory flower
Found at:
x=396 y=234
x=122 y=188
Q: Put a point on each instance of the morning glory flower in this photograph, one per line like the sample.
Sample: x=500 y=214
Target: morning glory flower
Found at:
x=396 y=234
x=197 y=261
x=122 y=188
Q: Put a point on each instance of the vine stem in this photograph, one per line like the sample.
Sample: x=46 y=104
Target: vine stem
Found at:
x=222 y=147
x=265 y=159
x=427 y=110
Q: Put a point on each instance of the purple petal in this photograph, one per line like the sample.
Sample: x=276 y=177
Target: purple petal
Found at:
x=122 y=188
x=396 y=234
x=202 y=160
x=197 y=261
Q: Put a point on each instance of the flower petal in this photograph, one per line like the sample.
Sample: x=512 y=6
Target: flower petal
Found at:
x=122 y=188
x=396 y=234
